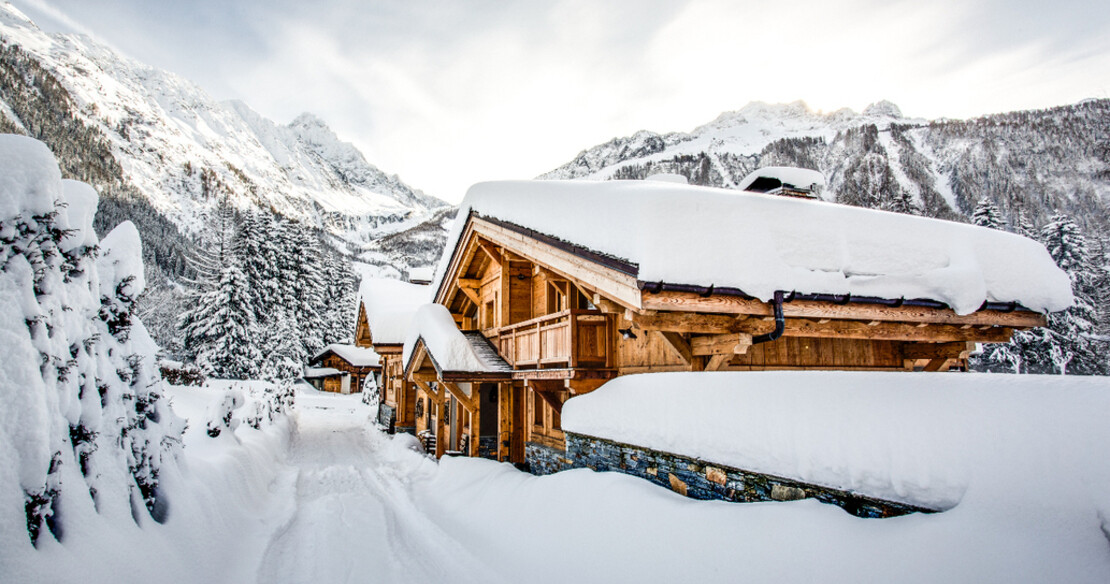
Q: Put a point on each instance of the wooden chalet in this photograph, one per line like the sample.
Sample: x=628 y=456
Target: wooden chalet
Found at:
x=385 y=309
x=343 y=368
x=576 y=282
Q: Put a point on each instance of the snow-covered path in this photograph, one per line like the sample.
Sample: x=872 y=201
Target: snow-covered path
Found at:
x=351 y=514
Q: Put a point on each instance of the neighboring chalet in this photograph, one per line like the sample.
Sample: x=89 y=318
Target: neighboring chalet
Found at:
x=555 y=287
x=343 y=368
x=385 y=309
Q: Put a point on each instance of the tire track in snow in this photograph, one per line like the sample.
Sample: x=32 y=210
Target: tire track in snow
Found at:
x=355 y=520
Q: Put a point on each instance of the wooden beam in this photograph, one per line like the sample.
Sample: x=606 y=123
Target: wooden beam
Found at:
x=690 y=302
x=472 y=283
x=490 y=250
x=690 y=322
x=471 y=295
x=424 y=375
x=580 y=386
x=938 y=364
x=731 y=344
x=547 y=394
x=437 y=398
x=718 y=362
x=682 y=348
x=467 y=401
x=606 y=305
x=954 y=350
x=892 y=331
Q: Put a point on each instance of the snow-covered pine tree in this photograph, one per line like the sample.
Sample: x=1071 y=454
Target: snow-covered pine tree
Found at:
x=986 y=214
x=307 y=283
x=1067 y=344
x=1023 y=226
x=284 y=356
x=339 y=298
x=219 y=327
x=1074 y=348
x=260 y=252
x=93 y=432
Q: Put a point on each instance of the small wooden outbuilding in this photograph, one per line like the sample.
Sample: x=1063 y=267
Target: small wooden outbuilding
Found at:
x=343 y=368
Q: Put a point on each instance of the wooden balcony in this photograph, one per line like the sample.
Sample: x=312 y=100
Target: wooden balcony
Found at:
x=571 y=338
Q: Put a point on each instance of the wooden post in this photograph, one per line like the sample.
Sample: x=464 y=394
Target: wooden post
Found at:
x=441 y=432
x=475 y=429
x=504 y=420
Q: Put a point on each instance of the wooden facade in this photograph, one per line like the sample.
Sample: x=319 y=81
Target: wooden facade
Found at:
x=397 y=394
x=566 y=320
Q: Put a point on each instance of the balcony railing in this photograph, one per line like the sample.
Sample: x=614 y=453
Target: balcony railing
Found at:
x=571 y=338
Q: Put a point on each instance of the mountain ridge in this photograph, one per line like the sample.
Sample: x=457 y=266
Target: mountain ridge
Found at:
x=181 y=149
x=1031 y=164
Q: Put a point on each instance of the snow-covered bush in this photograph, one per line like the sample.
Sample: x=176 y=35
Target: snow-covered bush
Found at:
x=371 y=395
x=83 y=426
x=254 y=403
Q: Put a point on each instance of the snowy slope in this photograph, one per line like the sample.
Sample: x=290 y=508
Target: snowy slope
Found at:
x=182 y=150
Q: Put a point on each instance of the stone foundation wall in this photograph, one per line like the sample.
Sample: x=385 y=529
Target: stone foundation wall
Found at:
x=545 y=460
x=487 y=447
x=699 y=479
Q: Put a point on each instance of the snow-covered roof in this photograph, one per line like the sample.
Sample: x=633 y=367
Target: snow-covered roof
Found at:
x=316 y=372
x=451 y=349
x=389 y=306
x=920 y=438
x=423 y=274
x=701 y=236
x=802 y=178
x=357 y=356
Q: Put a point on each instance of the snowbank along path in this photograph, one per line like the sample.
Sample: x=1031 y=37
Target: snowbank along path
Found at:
x=351 y=516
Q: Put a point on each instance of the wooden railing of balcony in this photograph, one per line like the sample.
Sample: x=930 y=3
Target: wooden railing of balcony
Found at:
x=571 y=338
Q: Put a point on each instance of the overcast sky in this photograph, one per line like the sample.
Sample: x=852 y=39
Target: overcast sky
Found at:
x=447 y=93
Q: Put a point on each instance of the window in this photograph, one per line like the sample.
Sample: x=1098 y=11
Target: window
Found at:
x=538 y=406
x=487 y=315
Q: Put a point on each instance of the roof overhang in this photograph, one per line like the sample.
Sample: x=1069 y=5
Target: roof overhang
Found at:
x=423 y=360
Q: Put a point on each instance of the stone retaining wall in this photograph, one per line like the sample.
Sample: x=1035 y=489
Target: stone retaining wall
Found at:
x=699 y=479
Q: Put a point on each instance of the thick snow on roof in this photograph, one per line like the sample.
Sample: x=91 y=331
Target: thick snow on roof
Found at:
x=762 y=243
x=357 y=356
x=389 y=306
x=929 y=439
x=451 y=349
x=314 y=372
x=422 y=274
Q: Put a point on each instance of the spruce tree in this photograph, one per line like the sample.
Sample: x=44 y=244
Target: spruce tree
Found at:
x=986 y=214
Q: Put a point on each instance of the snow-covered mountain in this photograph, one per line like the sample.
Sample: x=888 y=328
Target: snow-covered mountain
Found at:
x=181 y=150
x=1031 y=164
